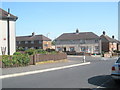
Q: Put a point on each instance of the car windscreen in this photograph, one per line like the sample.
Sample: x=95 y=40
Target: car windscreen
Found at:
x=118 y=61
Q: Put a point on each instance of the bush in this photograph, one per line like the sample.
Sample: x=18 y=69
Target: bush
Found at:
x=17 y=53
x=20 y=60
x=30 y=51
x=25 y=59
x=53 y=52
x=6 y=60
x=20 y=49
x=41 y=51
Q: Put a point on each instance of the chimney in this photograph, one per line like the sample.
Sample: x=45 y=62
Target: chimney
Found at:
x=103 y=32
x=77 y=31
x=33 y=34
x=113 y=36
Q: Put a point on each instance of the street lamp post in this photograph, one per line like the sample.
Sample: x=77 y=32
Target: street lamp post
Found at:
x=8 y=27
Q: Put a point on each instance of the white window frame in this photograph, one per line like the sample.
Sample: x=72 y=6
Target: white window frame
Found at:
x=32 y=42
x=26 y=42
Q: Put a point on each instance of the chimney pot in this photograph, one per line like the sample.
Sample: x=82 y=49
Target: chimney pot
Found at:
x=103 y=32
x=33 y=34
x=77 y=31
x=113 y=37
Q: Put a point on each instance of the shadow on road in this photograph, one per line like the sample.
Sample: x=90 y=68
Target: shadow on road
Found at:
x=104 y=81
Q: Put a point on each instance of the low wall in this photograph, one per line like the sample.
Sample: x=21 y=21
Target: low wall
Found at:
x=46 y=57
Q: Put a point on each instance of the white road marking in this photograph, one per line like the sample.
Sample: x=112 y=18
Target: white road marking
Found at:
x=40 y=71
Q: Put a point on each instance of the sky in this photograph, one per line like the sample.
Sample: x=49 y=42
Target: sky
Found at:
x=55 y=18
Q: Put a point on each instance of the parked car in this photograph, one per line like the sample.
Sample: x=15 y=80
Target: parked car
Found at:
x=116 y=70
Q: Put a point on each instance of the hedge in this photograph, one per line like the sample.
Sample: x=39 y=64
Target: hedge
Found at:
x=19 y=60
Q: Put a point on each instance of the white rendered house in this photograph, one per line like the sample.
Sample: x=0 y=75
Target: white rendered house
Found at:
x=7 y=42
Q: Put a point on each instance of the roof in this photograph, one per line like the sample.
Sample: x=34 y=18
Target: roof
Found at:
x=78 y=36
x=106 y=38
x=30 y=38
x=4 y=15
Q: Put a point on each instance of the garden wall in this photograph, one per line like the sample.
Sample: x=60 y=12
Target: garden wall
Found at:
x=46 y=57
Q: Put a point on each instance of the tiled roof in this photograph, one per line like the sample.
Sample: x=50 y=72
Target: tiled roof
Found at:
x=78 y=36
x=4 y=15
x=106 y=38
x=30 y=38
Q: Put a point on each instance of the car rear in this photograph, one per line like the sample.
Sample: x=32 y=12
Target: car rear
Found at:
x=116 y=70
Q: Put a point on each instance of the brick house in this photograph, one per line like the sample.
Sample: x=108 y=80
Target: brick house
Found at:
x=109 y=44
x=33 y=41
x=118 y=45
x=7 y=24
x=80 y=42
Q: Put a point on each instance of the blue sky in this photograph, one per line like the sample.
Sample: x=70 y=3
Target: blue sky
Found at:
x=56 y=18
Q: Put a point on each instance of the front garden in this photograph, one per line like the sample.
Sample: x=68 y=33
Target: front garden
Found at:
x=30 y=57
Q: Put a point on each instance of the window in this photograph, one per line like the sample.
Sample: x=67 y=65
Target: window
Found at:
x=39 y=47
x=82 y=41
x=96 y=41
x=59 y=49
x=17 y=42
x=72 y=49
x=83 y=49
x=46 y=45
x=40 y=42
x=32 y=47
x=26 y=48
x=32 y=42
x=72 y=41
x=23 y=42
x=96 y=48
x=29 y=42
x=26 y=42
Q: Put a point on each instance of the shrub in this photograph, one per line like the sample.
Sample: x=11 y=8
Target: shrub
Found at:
x=14 y=59
x=25 y=59
x=20 y=49
x=30 y=51
x=20 y=60
x=17 y=53
x=53 y=52
x=6 y=60
x=41 y=51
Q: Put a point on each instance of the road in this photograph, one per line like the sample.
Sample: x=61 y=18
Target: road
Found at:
x=94 y=75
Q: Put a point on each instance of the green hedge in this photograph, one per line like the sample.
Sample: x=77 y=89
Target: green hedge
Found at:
x=31 y=51
x=19 y=60
x=17 y=53
x=38 y=51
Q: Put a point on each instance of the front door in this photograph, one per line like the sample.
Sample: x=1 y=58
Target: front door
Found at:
x=64 y=49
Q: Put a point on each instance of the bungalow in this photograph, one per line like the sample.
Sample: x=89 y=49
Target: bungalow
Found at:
x=7 y=33
x=33 y=41
x=85 y=42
